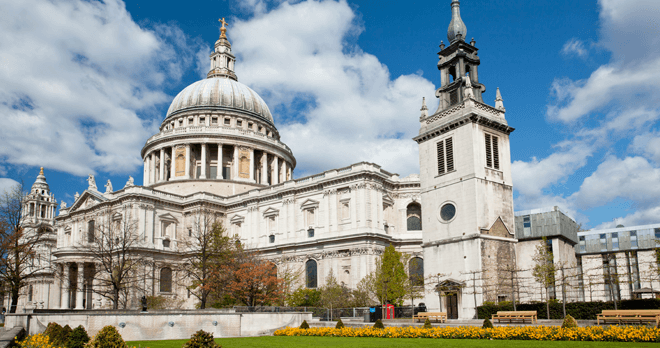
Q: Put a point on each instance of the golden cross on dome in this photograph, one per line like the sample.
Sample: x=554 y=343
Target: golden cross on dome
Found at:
x=223 y=22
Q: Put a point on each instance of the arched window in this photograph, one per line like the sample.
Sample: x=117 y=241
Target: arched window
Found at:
x=416 y=270
x=90 y=231
x=414 y=217
x=165 y=279
x=310 y=272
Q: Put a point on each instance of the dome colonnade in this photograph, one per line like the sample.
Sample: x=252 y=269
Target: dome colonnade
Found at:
x=218 y=129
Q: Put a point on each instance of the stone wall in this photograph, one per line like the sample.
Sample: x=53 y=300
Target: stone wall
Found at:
x=166 y=325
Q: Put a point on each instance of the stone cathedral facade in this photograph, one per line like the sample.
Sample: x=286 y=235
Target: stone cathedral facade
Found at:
x=218 y=147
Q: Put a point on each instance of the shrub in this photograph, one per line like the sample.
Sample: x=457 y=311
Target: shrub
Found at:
x=569 y=322
x=57 y=335
x=578 y=310
x=53 y=332
x=201 y=339
x=304 y=325
x=108 y=337
x=340 y=324
x=487 y=324
x=427 y=324
x=78 y=338
x=378 y=324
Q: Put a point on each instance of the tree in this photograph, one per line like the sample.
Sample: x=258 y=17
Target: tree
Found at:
x=253 y=280
x=20 y=256
x=332 y=293
x=391 y=278
x=113 y=247
x=290 y=274
x=304 y=297
x=434 y=282
x=544 y=269
x=208 y=250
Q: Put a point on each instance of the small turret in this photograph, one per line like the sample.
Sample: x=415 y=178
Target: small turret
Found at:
x=499 y=103
x=424 y=109
x=222 y=61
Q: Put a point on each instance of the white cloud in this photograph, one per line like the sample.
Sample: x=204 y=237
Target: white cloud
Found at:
x=648 y=144
x=632 y=178
x=342 y=106
x=639 y=217
x=574 y=46
x=7 y=184
x=80 y=81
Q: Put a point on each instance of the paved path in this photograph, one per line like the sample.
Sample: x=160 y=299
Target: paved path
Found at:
x=7 y=337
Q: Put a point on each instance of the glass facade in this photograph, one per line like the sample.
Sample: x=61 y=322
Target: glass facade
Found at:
x=527 y=225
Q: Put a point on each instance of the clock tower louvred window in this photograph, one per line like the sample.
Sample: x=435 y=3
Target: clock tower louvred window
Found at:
x=445 y=156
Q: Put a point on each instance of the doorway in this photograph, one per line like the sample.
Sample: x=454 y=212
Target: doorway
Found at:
x=452 y=305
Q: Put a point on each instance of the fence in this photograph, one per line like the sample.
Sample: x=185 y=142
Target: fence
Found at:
x=326 y=313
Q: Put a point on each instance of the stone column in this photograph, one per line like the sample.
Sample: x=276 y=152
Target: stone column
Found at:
x=172 y=167
x=187 y=175
x=145 y=176
x=289 y=173
x=274 y=177
x=264 y=168
x=203 y=174
x=66 y=287
x=234 y=171
x=79 y=289
x=95 y=284
x=283 y=171
x=252 y=165
x=220 y=155
x=161 y=170
x=152 y=169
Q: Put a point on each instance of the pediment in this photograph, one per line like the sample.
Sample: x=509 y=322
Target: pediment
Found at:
x=237 y=219
x=168 y=217
x=271 y=212
x=309 y=204
x=87 y=200
x=449 y=285
x=499 y=229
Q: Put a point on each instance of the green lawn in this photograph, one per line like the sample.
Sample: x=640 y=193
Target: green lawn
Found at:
x=292 y=342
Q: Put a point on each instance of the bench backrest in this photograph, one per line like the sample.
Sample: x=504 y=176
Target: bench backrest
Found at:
x=612 y=312
x=516 y=313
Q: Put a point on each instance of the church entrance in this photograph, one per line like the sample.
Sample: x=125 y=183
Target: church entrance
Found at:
x=452 y=305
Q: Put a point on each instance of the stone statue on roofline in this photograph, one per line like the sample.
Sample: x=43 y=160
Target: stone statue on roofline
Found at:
x=108 y=187
x=92 y=183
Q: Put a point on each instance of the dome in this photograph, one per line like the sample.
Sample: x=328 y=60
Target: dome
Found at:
x=220 y=92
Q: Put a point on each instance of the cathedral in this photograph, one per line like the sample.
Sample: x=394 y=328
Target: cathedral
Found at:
x=218 y=147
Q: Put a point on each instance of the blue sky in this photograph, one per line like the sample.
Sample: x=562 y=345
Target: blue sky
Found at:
x=83 y=84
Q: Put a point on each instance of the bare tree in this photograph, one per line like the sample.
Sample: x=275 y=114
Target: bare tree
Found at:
x=20 y=258
x=544 y=270
x=473 y=289
x=291 y=275
x=112 y=245
x=208 y=249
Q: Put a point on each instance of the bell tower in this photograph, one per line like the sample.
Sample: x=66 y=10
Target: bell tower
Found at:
x=466 y=187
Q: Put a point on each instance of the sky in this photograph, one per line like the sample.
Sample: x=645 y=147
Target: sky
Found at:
x=83 y=85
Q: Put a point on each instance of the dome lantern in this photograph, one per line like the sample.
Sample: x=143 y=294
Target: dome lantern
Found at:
x=222 y=61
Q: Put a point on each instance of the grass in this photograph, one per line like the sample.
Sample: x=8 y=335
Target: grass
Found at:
x=306 y=341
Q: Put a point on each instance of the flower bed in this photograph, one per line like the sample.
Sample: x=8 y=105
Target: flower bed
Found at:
x=538 y=333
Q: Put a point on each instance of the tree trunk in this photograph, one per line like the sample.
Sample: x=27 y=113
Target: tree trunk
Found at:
x=14 y=301
x=115 y=304
x=547 y=302
x=563 y=291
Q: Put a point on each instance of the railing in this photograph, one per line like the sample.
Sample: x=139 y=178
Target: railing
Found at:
x=217 y=130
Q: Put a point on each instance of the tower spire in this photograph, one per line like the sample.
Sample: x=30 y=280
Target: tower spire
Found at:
x=222 y=61
x=457 y=30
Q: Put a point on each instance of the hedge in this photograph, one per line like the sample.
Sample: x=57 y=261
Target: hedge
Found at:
x=578 y=310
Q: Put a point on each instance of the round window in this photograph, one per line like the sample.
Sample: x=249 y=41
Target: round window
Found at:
x=447 y=212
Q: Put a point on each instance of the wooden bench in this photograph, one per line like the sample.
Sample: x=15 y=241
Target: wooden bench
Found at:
x=515 y=315
x=437 y=316
x=638 y=316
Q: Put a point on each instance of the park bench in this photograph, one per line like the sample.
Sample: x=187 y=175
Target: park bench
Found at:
x=621 y=316
x=437 y=316
x=515 y=315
